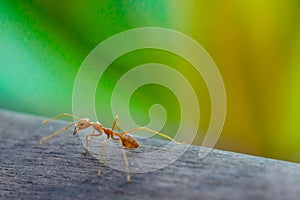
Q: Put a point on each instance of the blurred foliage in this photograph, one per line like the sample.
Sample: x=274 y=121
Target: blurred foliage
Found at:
x=255 y=44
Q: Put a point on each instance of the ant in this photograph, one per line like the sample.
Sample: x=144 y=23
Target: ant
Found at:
x=125 y=139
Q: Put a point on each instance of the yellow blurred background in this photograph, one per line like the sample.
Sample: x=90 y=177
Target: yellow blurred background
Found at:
x=256 y=45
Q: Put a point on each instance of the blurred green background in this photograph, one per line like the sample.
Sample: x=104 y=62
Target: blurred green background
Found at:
x=255 y=44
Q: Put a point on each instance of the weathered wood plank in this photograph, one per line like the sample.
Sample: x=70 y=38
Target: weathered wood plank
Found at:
x=57 y=170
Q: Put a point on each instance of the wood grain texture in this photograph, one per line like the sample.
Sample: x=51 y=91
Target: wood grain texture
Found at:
x=58 y=170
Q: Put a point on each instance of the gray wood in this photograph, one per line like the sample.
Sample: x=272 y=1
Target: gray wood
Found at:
x=58 y=170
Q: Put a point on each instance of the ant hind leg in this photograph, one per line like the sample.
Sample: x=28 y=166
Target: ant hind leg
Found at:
x=152 y=131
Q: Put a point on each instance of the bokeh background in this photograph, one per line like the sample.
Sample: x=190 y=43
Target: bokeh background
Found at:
x=255 y=44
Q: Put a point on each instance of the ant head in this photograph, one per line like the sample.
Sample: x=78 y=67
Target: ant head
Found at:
x=82 y=124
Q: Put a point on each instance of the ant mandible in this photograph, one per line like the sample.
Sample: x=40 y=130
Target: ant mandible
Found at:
x=125 y=139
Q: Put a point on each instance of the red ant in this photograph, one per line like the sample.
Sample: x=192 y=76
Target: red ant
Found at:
x=125 y=139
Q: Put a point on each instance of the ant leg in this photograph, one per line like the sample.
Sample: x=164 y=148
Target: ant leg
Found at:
x=56 y=133
x=152 y=131
x=101 y=156
x=58 y=116
x=116 y=123
x=87 y=141
x=125 y=160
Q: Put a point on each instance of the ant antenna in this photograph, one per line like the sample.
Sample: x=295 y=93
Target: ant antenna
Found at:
x=59 y=116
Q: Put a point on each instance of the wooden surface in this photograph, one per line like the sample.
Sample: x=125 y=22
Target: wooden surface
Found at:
x=58 y=170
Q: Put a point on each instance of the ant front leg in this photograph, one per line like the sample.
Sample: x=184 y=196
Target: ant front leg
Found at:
x=87 y=141
x=56 y=133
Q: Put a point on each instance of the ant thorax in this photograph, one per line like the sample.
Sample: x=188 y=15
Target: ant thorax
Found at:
x=97 y=126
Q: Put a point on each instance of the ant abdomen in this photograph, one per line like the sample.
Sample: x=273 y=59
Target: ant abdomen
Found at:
x=129 y=141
